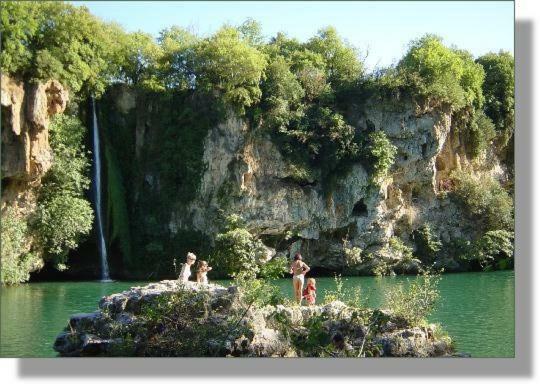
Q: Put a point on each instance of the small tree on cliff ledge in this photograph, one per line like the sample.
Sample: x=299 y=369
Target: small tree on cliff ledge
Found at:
x=237 y=250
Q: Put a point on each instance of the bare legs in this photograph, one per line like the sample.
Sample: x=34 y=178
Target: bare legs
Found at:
x=297 y=286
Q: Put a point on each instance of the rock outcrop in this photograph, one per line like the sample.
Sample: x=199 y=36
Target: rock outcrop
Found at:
x=291 y=209
x=26 y=154
x=170 y=319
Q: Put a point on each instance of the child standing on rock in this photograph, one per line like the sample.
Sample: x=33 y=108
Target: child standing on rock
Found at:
x=202 y=270
x=310 y=292
x=186 y=267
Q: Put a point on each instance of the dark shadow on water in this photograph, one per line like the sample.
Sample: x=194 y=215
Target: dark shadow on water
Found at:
x=521 y=365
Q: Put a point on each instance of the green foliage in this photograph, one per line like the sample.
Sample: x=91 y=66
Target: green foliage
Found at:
x=415 y=302
x=16 y=259
x=428 y=244
x=62 y=221
x=237 y=250
x=63 y=216
x=485 y=199
x=341 y=59
x=492 y=251
x=230 y=65
x=275 y=268
x=251 y=31
x=498 y=89
x=399 y=248
x=437 y=73
x=178 y=327
x=176 y=65
x=256 y=291
x=42 y=40
x=139 y=58
x=282 y=94
x=70 y=166
x=380 y=153
x=480 y=132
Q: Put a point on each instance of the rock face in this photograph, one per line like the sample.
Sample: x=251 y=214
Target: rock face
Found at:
x=221 y=323
x=246 y=174
x=26 y=154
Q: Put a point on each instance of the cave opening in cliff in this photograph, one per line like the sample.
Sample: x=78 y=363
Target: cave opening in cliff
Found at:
x=360 y=209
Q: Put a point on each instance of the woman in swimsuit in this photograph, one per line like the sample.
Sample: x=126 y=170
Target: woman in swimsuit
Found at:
x=298 y=270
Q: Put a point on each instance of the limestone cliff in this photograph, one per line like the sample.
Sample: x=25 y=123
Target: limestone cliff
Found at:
x=26 y=154
x=245 y=173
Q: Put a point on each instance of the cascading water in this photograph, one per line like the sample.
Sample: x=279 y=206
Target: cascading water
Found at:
x=97 y=198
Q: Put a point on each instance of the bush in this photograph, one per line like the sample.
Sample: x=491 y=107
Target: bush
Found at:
x=492 y=251
x=435 y=72
x=485 y=199
x=43 y=40
x=258 y=292
x=237 y=250
x=415 y=302
x=17 y=260
x=480 y=133
x=230 y=65
x=380 y=153
x=63 y=215
x=498 y=89
x=427 y=243
x=62 y=221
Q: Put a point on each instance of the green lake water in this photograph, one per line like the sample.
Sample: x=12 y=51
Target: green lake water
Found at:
x=477 y=310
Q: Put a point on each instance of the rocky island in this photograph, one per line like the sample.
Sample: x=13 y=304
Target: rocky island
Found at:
x=173 y=319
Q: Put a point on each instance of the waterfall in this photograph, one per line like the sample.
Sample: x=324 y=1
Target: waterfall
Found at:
x=97 y=198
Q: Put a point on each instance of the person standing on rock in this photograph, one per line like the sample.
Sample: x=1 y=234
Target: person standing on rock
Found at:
x=186 y=267
x=298 y=270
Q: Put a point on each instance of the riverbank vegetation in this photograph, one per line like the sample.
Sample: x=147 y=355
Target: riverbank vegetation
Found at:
x=307 y=96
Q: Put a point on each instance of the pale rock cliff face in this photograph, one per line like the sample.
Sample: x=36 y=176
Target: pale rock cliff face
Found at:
x=26 y=154
x=247 y=175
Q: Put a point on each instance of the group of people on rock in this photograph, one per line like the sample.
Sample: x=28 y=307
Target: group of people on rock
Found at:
x=298 y=269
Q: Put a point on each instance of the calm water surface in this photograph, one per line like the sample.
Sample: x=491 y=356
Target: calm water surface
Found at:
x=477 y=310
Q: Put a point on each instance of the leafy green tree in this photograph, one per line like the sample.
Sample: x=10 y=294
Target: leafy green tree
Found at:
x=495 y=249
x=485 y=199
x=177 y=64
x=341 y=59
x=237 y=250
x=225 y=62
x=436 y=72
x=498 y=89
x=16 y=259
x=282 y=93
x=428 y=244
x=251 y=31
x=43 y=40
x=480 y=132
x=138 y=58
x=63 y=216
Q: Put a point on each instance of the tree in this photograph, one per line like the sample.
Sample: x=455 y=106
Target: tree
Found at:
x=228 y=64
x=177 y=64
x=341 y=59
x=251 y=31
x=281 y=93
x=42 y=40
x=498 y=89
x=435 y=72
x=138 y=58
x=63 y=215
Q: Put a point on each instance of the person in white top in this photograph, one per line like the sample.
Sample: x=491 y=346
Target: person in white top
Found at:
x=186 y=267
